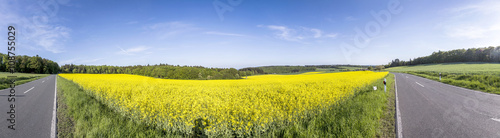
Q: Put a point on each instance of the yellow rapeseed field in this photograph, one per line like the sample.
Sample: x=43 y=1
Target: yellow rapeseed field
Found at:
x=227 y=107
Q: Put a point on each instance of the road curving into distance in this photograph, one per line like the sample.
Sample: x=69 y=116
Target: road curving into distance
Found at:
x=433 y=109
x=34 y=110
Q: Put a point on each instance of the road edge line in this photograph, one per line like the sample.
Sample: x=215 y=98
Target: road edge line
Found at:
x=399 y=129
x=53 y=127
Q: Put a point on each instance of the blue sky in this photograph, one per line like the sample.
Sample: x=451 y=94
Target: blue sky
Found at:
x=244 y=33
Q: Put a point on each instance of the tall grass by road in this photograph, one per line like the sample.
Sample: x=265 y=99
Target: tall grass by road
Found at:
x=477 y=76
x=455 y=68
x=21 y=78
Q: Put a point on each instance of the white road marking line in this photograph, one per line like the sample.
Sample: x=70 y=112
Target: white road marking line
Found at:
x=53 y=127
x=398 y=113
x=419 y=84
x=29 y=89
x=495 y=119
x=43 y=81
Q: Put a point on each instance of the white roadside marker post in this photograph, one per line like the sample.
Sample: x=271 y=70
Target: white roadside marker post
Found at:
x=439 y=76
x=385 y=87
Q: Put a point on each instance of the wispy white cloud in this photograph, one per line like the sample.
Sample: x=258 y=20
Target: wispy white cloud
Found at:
x=168 y=25
x=222 y=33
x=474 y=21
x=284 y=32
x=483 y=7
x=469 y=32
x=298 y=34
x=42 y=33
x=332 y=35
x=68 y=61
x=51 y=38
x=79 y=61
x=91 y=60
x=317 y=32
x=169 y=29
x=133 y=50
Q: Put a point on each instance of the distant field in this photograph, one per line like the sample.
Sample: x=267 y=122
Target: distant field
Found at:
x=467 y=68
x=478 y=76
x=21 y=78
x=352 y=68
x=339 y=69
x=5 y=74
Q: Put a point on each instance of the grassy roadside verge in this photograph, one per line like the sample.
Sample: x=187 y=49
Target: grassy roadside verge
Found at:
x=366 y=114
x=489 y=83
x=472 y=75
x=388 y=120
x=80 y=115
x=21 y=78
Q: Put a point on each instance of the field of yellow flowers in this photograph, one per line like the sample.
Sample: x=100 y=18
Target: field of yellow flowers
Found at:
x=223 y=107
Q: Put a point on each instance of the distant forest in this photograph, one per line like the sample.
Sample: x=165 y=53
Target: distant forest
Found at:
x=28 y=64
x=295 y=69
x=160 y=71
x=191 y=72
x=183 y=72
x=486 y=54
x=278 y=69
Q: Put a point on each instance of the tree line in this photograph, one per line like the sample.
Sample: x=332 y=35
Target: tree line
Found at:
x=278 y=69
x=296 y=69
x=160 y=71
x=339 y=66
x=28 y=64
x=486 y=54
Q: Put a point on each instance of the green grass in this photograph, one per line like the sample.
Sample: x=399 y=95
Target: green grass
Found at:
x=388 y=122
x=21 y=78
x=485 y=83
x=367 y=113
x=80 y=115
x=461 y=67
x=477 y=76
x=5 y=74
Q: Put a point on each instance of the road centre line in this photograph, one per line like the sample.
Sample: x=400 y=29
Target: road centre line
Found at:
x=419 y=84
x=495 y=119
x=29 y=89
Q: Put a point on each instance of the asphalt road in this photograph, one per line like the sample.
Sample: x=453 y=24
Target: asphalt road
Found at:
x=34 y=109
x=433 y=109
